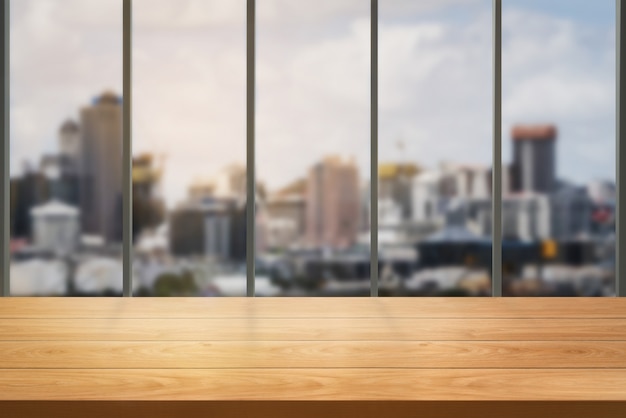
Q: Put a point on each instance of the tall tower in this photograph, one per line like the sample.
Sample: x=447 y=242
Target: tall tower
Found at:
x=333 y=203
x=66 y=186
x=69 y=139
x=101 y=167
x=534 y=158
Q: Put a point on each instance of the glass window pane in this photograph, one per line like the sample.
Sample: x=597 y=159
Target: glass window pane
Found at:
x=189 y=147
x=435 y=148
x=313 y=147
x=558 y=147
x=66 y=147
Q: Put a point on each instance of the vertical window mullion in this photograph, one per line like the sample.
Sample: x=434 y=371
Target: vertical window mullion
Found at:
x=127 y=160
x=5 y=186
x=374 y=149
x=496 y=176
x=620 y=225
x=250 y=148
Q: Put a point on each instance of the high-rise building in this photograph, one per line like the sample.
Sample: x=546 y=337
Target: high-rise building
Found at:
x=534 y=158
x=100 y=167
x=213 y=227
x=212 y=220
x=572 y=211
x=333 y=203
x=61 y=169
x=69 y=139
x=27 y=191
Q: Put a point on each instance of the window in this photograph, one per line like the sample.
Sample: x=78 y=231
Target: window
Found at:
x=66 y=147
x=189 y=148
x=312 y=142
x=558 y=145
x=396 y=127
x=435 y=148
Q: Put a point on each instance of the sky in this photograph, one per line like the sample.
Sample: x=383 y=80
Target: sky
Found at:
x=313 y=75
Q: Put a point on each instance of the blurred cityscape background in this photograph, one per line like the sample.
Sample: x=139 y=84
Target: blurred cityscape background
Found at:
x=312 y=205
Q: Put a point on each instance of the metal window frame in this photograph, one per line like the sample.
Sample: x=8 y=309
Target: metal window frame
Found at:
x=5 y=184
x=620 y=227
x=374 y=149
x=620 y=151
x=250 y=146
x=127 y=149
x=496 y=173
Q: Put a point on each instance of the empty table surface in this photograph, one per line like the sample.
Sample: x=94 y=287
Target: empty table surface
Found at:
x=406 y=353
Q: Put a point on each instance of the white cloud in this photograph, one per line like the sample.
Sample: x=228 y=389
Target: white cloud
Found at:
x=312 y=81
x=562 y=71
x=56 y=68
x=186 y=14
x=559 y=95
x=435 y=89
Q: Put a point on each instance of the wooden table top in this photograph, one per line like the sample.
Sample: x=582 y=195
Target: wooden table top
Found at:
x=313 y=349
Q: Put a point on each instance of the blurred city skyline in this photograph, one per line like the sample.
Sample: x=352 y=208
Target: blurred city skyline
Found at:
x=558 y=68
x=312 y=208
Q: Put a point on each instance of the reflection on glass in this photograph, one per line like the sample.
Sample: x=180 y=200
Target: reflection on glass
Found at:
x=189 y=148
x=66 y=148
x=434 y=185
x=313 y=141
x=558 y=148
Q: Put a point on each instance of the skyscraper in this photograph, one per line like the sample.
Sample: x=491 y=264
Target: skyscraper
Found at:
x=333 y=203
x=69 y=139
x=101 y=167
x=534 y=158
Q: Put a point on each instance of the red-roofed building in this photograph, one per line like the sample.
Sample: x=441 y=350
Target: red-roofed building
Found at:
x=534 y=158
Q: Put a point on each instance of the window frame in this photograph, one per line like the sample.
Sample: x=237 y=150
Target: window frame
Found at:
x=496 y=203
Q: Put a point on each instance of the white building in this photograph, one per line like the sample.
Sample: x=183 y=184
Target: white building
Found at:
x=449 y=188
x=56 y=227
x=527 y=217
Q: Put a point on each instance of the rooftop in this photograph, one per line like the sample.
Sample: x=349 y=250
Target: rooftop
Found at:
x=534 y=132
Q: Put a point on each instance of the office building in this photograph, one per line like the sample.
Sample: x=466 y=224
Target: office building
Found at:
x=526 y=217
x=100 y=168
x=333 y=204
x=211 y=222
x=211 y=227
x=451 y=187
x=27 y=191
x=70 y=139
x=534 y=158
x=572 y=211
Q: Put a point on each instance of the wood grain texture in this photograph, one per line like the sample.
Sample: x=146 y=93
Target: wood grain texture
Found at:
x=313 y=384
x=304 y=349
x=312 y=307
x=311 y=354
x=312 y=329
